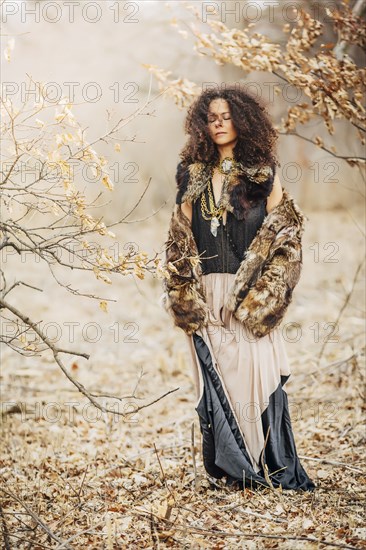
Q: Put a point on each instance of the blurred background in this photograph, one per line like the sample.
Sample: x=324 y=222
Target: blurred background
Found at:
x=101 y=48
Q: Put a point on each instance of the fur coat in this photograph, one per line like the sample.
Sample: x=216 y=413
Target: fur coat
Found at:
x=263 y=284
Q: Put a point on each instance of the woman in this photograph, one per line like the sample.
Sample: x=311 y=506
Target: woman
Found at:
x=234 y=256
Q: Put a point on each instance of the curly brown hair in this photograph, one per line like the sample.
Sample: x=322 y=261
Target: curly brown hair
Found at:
x=256 y=135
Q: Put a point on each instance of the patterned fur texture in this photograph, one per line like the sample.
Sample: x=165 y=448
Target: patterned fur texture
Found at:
x=263 y=285
x=184 y=296
x=242 y=185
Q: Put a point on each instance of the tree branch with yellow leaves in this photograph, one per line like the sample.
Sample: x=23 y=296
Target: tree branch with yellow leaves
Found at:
x=332 y=86
x=46 y=217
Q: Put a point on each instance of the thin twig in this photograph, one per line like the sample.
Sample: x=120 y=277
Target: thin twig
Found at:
x=56 y=351
x=4 y=529
x=34 y=516
x=346 y=301
x=31 y=542
x=154 y=532
x=243 y=535
x=194 y=458
x=168 y=512
x=250 y=513
x=333 y=463
x=84 y=532
x=333 y=364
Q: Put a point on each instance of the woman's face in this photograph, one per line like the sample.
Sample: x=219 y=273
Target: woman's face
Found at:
x=220 y=124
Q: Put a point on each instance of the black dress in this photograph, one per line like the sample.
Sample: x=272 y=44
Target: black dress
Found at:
x=241 y=402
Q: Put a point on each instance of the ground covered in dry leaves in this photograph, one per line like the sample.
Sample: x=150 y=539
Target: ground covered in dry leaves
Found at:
x=73 y=477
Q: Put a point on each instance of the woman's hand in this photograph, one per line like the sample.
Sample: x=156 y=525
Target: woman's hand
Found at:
x=187 y=209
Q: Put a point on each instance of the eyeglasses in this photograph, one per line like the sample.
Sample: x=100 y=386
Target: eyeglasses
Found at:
x=211 y=119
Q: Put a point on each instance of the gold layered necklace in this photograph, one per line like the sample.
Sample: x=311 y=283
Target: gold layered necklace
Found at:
x=214 y=213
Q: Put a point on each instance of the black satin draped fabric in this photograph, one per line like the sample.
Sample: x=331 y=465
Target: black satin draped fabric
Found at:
x=223 y=449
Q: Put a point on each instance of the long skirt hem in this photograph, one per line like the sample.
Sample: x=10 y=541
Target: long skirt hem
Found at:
x=241 y=401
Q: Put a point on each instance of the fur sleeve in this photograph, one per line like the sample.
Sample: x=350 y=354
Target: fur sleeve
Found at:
x=184 y=296
x=182 y=180
x=262 y=304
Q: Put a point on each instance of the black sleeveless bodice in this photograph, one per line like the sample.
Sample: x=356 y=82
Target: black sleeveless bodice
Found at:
x=225 y=252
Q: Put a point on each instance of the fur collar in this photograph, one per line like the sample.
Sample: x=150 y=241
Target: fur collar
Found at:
x=253 y=183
